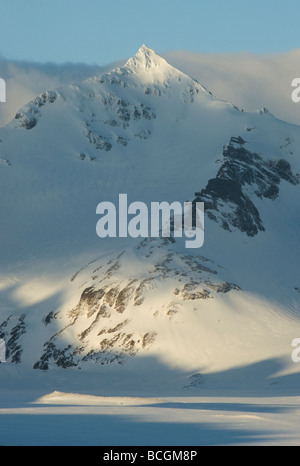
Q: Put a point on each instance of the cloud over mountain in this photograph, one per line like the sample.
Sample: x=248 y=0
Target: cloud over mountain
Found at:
x=25 y=80
x=249 y=81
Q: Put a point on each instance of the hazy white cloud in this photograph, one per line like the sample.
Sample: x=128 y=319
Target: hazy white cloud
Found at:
x=248 y=81
x=24 y=81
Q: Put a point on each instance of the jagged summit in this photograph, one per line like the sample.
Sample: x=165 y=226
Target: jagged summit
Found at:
x=147 y=67
x=145 y=58
x=145 y=72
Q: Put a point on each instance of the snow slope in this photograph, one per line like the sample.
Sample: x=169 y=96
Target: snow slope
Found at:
x=223 y=316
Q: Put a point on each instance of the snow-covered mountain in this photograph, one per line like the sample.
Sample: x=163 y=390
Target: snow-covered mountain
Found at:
x=71 y=299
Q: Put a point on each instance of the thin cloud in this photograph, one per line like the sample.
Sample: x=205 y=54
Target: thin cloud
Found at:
x=24 y=81
x=247 y=80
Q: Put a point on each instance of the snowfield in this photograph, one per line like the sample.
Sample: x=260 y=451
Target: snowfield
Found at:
x=124 y=409
x=123 y=341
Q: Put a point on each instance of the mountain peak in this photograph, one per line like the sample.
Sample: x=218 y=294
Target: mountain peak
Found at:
x=145 y=58
x=146 y=50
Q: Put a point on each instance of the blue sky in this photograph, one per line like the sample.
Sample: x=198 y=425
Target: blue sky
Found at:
x=101 y=31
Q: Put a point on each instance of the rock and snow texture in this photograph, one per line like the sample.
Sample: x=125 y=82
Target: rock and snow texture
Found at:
x=72 y=300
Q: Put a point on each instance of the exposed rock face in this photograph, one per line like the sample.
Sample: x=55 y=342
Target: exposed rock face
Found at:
x=28 y=117
x=118 y=314
x=230 y=197
x=13 y=338
x=122 y=113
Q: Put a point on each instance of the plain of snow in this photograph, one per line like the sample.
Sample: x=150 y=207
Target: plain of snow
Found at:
x=133 y=410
